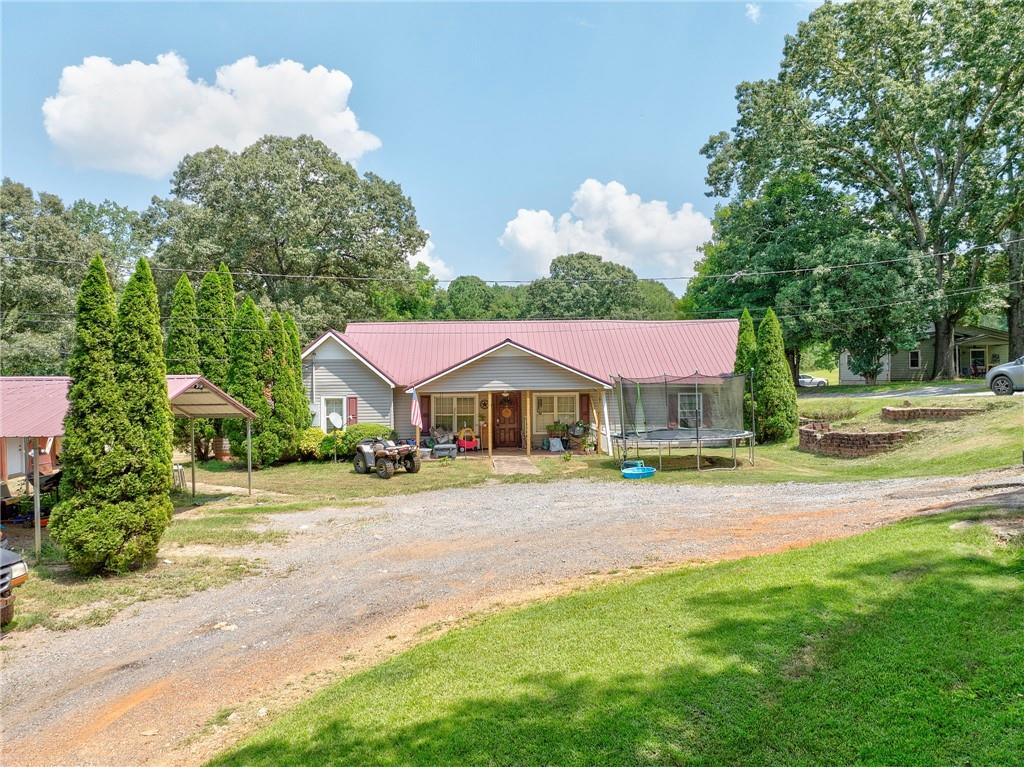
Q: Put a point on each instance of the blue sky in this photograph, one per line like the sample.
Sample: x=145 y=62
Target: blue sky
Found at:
x=480 y=110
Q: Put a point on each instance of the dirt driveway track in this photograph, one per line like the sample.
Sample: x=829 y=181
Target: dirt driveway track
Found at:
x=354 y=585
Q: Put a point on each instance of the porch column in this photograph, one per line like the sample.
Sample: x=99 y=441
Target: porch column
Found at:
x=596 y=421
x=607 y=422
x=528 y=396
x=192 y=427
x=490 y=424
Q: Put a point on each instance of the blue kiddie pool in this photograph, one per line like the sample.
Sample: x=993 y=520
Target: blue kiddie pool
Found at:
x=638 y=472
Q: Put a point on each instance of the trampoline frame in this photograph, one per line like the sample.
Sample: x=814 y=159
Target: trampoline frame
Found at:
x=637 y=442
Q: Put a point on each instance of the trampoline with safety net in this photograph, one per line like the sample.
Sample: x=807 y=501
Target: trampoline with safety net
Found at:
x=666 y=412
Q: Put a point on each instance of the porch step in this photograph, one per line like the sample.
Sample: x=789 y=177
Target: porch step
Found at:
x=513 y=464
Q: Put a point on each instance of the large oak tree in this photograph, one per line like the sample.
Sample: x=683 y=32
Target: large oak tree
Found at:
x=913 y=107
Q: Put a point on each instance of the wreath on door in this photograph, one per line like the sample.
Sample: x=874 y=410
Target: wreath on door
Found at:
x=506 y=407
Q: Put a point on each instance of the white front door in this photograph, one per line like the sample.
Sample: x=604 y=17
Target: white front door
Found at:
x=15 y=456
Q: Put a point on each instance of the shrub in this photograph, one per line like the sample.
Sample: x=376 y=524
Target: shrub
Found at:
x=116 y=537
x=774 y=391
x=348 y=438
x=311 y=443
x=746 y=358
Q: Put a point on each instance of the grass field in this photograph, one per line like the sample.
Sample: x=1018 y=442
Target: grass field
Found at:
x=994 y=439
x=902 y=646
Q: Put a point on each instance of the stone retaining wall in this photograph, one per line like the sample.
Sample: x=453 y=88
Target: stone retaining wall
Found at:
x=928 y=413
x=818 y=437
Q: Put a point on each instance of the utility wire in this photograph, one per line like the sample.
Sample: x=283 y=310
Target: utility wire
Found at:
x=732 y=276
x=414 y=327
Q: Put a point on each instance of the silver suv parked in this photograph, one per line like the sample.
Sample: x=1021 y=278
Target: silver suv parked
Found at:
x=1006 y=378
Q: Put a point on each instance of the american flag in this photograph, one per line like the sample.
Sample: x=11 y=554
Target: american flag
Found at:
x=415 y=415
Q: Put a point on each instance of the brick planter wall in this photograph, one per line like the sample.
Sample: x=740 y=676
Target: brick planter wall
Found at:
x=928 y=413
x=818 y=437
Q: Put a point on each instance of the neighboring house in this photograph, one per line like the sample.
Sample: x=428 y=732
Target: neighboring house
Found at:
x=525 y=374
x=977 y=349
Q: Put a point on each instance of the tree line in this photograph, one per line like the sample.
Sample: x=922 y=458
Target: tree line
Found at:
x=300 y=231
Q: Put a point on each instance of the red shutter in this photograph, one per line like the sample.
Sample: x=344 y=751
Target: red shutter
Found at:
x=352 y=410
x=425 y=410
x=585 y=407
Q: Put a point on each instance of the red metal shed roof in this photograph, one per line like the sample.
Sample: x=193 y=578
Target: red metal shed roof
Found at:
x=35 y=406
x=407 y=352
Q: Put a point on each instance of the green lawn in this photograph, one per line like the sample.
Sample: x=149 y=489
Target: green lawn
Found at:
x=992 y=440
x=902 y=646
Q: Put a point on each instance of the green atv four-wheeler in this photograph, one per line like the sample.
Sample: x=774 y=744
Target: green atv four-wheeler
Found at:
x=384 y=456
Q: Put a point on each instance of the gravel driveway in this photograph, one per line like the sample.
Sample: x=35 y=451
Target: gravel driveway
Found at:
x=354 y=585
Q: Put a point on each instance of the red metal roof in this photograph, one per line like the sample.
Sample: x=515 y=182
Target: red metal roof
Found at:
x=35 y=406
x=408 y=352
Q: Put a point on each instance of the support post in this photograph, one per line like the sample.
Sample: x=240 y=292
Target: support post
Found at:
x=248 y=450
x=35 y=491
x=596 y=420
x=529 y=423
x=417 y=439
x=192 y=425
x=607 y=423
x=490 y=424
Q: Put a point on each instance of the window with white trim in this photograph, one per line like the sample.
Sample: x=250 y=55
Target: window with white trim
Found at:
x=453 y=413
x=691 y=407
x=549 y=408
x=915 y=359
x=332 y=405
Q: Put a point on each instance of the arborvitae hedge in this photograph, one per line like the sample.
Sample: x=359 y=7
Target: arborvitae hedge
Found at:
x=116 y=450
x=227 y=284
x=774 y=391
x=746 y=358
x=246 y=384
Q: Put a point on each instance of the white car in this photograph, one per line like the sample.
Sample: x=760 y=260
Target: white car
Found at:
x=810 y=382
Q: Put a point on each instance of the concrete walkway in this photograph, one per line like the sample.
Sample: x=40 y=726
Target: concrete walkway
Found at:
x=513 y=464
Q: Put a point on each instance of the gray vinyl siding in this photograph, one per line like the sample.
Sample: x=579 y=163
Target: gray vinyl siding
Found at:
x=403 y=408
x=349 y=378
x=515 y=372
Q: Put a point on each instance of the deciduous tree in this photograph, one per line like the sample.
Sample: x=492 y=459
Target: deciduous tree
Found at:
x=914 y=108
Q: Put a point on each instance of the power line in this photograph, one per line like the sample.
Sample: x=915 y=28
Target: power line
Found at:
x=739 y=274
x=409 y=327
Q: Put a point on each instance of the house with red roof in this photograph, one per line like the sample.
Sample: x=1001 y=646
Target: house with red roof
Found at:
x=503 y=381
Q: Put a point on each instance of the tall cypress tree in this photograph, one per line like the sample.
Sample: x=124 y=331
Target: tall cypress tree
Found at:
x=774 y=392
x=302 y=413
x=214 y=329
x=246 y=384
x=183 y=330
x=183 y=350
x=142 y=375
x=280 y=374
x=746 y=356
x=93 y=451
x=106 y=520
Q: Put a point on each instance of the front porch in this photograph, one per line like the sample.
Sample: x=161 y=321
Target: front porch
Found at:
x=515 y=422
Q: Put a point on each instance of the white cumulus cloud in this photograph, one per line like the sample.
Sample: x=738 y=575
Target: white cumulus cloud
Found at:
x=143 y=118
x=436 y=264
x=753 y=12
x=607 y=220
